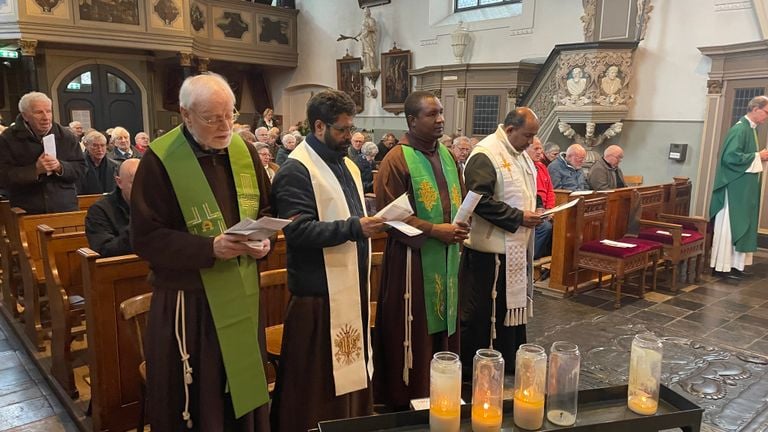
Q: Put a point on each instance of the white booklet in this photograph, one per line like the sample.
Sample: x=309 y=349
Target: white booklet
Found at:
x=561 y=207
x=49 y=146
x=258 y=229
x=467 y=207
x=394 y=213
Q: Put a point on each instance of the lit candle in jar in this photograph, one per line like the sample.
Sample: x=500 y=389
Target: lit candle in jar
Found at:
x=444 y=416
x=643 y=404
x=529 y=410
x=486 y=418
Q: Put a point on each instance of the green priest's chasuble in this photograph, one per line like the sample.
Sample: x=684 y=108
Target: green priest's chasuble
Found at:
x=743 y=188
x=231 y=286
x=440 y=263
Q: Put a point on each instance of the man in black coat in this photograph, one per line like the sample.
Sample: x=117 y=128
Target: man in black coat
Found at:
x=100 y=171
x=37 y=181
x=107 y=224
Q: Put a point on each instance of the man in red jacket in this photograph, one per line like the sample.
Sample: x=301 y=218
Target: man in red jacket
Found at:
x=545 y=199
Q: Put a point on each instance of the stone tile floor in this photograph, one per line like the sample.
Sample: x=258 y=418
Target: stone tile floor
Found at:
x=715 y=341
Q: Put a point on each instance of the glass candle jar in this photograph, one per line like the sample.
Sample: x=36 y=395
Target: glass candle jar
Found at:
x=487 y=390
x=445 y=392
x=644 y=374
x=530 y=386
x=563 y=383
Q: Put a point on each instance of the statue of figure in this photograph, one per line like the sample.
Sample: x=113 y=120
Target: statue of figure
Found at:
x=611 y=83
x=576 y=83
x=368 y=37
x=566 y=129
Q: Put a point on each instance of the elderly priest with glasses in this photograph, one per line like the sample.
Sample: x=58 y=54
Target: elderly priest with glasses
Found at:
x=205 y=339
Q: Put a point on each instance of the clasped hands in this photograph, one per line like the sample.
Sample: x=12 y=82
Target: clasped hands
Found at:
x=451 y=233
x=46 y=164
x=227 y=246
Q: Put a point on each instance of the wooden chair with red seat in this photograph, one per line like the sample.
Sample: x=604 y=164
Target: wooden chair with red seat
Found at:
x=135 y=309
x=684 y=239
x=602 y=256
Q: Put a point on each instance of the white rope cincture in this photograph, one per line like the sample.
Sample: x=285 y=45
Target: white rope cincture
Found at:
x=407 y=343
x=182 y=342
x=494 y=293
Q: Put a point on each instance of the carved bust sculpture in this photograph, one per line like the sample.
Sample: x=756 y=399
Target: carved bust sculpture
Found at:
x=611 y=83
x=576 y=83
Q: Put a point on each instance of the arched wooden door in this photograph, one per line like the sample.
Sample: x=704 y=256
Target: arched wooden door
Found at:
x=101 y=97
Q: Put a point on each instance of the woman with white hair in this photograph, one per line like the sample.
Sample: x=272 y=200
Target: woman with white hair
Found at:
x=366 y=163
x=204 y=343
x=289 y=143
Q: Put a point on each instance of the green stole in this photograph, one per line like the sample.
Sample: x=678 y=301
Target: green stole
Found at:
x=440 y=264
x=231 y=286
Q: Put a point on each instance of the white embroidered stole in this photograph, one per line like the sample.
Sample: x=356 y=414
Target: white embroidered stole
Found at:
x=341 y=270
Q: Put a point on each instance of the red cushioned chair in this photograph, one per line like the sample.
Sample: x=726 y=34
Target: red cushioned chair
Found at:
x=617 y=261
x=683 y=238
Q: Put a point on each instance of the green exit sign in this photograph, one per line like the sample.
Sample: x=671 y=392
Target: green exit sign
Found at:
x=11 y=54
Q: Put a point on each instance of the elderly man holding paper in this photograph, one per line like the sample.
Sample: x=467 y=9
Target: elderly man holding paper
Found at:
x=420 y=273
x=495 y=279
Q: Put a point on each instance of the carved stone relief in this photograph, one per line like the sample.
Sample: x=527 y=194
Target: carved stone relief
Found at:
x=197 y=17
x=544 y=102
x=644 y=8
x=167 y=11
x=47 y=6
x=462 y=93
x=594 y=78
x=28 y=47
x=714 y=87
x=588 y=19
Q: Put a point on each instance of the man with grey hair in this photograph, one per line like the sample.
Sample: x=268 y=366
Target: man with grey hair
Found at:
x=39 y=181
x=142 y=142
x=461 y=148
x=107 y=224
x=121 y=141
x=551 y=151
x=100 y=171
x=77 y=129
x=205 y=337
x=735 y=205
x=605 y=173
x=358 y=139
x=266 y=159
x=566 y=170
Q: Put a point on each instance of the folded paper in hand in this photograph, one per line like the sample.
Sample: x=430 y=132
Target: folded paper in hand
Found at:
x=258 y=229
x=467 y=207
x=617 y=244
x=561 y=207
x=394 y=213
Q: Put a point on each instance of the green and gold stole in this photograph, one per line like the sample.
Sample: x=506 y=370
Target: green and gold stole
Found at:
x=440 y=264
x=231 y=286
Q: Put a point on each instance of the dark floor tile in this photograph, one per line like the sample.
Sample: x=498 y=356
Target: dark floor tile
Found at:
x=745 y=300
x=712 y=292
x=733 y=306
x=726 y=314
x=24 y=412
x=588 y=300
x=756 y=291
x=602 y=293
x=729 y=338
x=745 y=329
x=708 y=320
x=669 y=310
x=684 y=304
x=753 y=320
x=759 y=347
x=653 y=317
x=636 y=302
x=624 y=310
x=697 y=298
x=687 y=328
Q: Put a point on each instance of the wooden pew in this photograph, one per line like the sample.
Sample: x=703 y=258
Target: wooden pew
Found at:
x=31 y=261
x=64 y=285
x=617 y=216
x=86 y=201
x=11 y=275
x=112 y=353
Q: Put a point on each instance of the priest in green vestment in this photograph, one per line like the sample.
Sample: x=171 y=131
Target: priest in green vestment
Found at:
x=204 y=343
x=735 y=204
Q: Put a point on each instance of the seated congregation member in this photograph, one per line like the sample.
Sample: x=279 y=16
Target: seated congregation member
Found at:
x=388 y=141
x=204 y=342
x=289 y=143
x=100 y=171
x=605 y=174
x=495 y=278
x=36 y=181
x=248 y=137
x=551 y=151
x=266 y=160
x=142 y=142
x=121 y=140
x=545 y=199
x=325 y=360
x=565 y=170
x=358 y=139
x=366 y=163
x=107 y=224
x=460 y=147
x=428 y=172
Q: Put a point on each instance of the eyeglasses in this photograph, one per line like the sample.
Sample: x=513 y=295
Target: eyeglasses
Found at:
x=344 y=130
x=215 y=121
